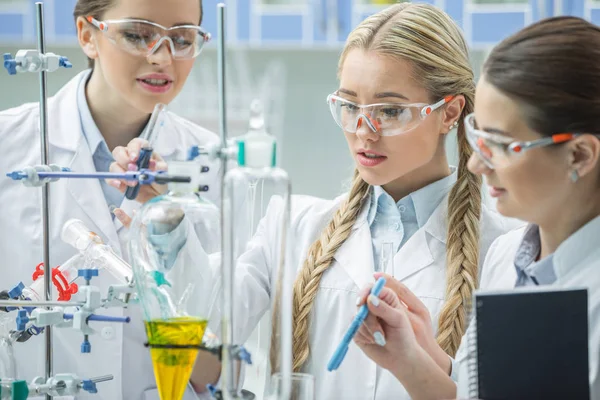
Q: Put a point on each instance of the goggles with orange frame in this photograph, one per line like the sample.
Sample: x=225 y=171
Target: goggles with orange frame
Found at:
x=387 y=119
x=497 y=150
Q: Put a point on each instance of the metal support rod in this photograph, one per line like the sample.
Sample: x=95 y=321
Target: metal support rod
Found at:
x=228 y=365
x=27 y=303
x=103 y=378
x=39 y=8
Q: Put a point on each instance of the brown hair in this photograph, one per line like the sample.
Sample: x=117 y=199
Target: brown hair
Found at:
x=431 y=41
x=97 y=8
x=557 y=81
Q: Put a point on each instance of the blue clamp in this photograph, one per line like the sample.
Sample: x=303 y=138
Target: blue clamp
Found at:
x=64 y=62
x=17 y=175
x=10 y=64
x=22 y=320
x=17 y=291
x=87 y=274
x=243 y=355
x=89 y=386
x=193 y=152
x=86 y=346
x=212 y=389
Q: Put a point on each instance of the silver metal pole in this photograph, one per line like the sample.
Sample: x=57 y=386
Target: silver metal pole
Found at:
x=39 y=8
x=227 y=259
x=27 y=303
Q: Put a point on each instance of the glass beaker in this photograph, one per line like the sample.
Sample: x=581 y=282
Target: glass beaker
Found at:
x=302 y=387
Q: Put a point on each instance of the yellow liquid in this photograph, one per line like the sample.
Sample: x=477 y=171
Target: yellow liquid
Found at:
x=173 y=367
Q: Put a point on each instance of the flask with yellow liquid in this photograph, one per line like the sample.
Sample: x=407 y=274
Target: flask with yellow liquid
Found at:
x=175 y=302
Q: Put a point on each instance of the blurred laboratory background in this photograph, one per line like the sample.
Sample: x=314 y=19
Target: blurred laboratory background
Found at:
x=284 y=52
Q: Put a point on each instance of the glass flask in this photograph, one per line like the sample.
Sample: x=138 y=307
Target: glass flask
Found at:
x=256 y=189
x=8 y=365
x=95 y=253
x=167 y=275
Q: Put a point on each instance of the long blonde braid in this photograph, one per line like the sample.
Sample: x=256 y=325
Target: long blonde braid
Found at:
x=462 y=247
x=319 y=258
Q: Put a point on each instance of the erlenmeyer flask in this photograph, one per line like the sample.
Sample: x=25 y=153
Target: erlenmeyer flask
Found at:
x=175 y=307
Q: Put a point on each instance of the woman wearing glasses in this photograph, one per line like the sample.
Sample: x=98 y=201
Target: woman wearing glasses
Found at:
x=405 y=82
x=140 y=54
x=536 y=134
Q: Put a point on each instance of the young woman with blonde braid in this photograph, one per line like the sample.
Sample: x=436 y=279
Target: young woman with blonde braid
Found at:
x=405 y=82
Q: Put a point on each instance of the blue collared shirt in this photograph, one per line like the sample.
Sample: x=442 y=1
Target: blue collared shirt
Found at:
x=531 y=272
x=395 y=222
x=101 y=155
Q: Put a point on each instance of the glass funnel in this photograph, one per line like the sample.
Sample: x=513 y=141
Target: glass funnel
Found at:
x=166 y=275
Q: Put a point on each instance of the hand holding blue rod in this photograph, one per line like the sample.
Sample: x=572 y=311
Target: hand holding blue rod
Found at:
x=149 y=134
x=362 y=314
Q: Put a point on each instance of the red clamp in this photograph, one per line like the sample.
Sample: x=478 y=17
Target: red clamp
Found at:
x=65 y=291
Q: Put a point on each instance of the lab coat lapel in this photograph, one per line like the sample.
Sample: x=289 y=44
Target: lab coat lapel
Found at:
x=66 y=138
x=416 y=254
x=355 y=255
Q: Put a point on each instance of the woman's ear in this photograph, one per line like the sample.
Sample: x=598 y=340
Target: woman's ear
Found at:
x=584 y=153
x=85 y=36
x=452 y=112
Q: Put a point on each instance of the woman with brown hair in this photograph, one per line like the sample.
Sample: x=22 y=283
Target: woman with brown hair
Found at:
x=140 y=53
x=536 y=134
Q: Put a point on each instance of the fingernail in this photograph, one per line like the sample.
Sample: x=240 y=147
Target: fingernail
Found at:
x=118 y=212
x=358 y=301
x=374 y=300
x=114 y=183
x=132 y=156
x=379 y=339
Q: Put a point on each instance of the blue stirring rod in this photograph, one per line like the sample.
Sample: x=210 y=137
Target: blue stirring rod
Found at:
x=342 y=349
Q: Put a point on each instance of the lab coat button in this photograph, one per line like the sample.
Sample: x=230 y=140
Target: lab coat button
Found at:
x=402 y=208
x=108 y=333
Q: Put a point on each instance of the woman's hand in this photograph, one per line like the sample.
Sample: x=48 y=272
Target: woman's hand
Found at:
x=126 y=159
x=386 y=336
x=419 y=317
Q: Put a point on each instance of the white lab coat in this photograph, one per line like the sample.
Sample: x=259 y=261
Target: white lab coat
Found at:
x=420 y=264
x=116 y=349
x=576 y=264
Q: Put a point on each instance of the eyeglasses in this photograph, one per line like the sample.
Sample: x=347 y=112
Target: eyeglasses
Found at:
x=497 y=150
x=144 y=38
x=388 y=119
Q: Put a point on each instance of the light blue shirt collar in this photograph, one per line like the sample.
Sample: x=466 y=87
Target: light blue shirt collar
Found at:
x=421 y=203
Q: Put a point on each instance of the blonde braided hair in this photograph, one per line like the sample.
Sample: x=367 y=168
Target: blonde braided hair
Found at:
x=319 y=258
x=428 y=38
x=462 y=247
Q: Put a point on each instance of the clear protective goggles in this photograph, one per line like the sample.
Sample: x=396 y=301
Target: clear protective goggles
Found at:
x=497 y=150
x=144 y=38
x=387 y=119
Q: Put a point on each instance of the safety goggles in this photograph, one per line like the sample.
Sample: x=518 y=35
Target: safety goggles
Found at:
x=387 y=119
x=497 y=151
x=143 y=38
